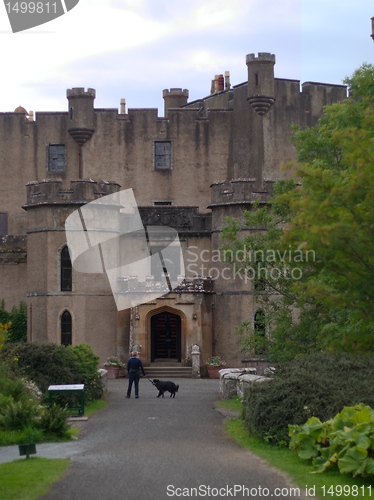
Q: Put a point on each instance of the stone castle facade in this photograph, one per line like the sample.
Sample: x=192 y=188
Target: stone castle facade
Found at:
x=202 y=161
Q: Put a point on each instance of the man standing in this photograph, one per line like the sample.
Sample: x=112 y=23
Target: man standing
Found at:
x=134 y=365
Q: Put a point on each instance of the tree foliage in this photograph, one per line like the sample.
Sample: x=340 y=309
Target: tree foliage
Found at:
x=17 y=320
x=321 y=227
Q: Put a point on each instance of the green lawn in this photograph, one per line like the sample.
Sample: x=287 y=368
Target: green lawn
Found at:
x=328 y=485
x=28 y=479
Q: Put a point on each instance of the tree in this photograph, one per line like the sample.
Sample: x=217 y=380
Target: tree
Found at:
x=17 y=319
x=327 y=213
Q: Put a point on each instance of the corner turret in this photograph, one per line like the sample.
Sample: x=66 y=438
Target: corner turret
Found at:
x=261 y=81
x=174 y=98
x=81 y=114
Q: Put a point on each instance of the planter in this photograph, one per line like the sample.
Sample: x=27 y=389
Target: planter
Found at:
x=213 y=371
x=112 y=371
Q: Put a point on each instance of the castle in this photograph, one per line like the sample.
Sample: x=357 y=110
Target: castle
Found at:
x=202 y=161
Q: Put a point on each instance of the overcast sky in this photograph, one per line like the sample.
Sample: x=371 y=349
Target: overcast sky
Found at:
x=134 y=49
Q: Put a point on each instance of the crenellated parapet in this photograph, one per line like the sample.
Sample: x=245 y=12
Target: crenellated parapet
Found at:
x=186 y=220
x=174 y=98
x=240 y=192
x=82 y=191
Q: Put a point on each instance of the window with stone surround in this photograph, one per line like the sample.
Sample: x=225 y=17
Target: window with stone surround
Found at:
x=66 y=272
x=66 y=328
x=56 y=158
x=162 y=155
x=3 y=223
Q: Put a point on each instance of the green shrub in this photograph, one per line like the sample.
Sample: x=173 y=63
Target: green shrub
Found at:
x=318 y=385
x=18 y=319
x=46 y=364
x=17 y=415
x=346 y=441
x=28 y=434
x=54 y=420
x=88 y=364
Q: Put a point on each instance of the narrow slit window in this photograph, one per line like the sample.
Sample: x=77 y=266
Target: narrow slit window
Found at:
x=3 y=223
x=66 y=271
x=66 y=328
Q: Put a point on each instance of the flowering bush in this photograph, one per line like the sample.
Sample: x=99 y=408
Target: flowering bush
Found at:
x=113 y=361
x=215 y=361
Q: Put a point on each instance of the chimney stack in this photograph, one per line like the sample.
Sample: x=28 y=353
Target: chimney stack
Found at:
x=122 y=107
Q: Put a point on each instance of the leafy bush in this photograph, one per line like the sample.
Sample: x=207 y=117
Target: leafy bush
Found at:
x=318 y=385
x=47 y=364
x=346 y=441
x=18 y=322
x=16 y=415
x=54 y=420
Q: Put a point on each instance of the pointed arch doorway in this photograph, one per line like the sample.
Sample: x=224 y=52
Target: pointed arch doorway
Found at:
x=166 y=337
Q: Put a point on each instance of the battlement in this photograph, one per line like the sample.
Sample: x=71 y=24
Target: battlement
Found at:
x=175 y=92
x=174 y=98
x=81 y=92
x=51 y=192
x=240 y=191
x=132 y=284
x=186 y=220
x=262 y=57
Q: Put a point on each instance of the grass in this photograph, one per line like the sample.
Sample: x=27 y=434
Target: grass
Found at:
x=28 y=479
x=95 y=406
x=327 y=485
x=33 y=435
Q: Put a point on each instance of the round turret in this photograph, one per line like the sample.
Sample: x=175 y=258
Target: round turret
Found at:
x=174 y=98
x=261 y=81
x=81 y=114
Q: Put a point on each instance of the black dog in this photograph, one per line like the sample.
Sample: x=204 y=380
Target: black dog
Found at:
x=164 y=386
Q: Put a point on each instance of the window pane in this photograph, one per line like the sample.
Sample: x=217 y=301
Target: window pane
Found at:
x=3 y=223
x=66 y=329
x=56 y=157
x=163 y=155
x=66 y=271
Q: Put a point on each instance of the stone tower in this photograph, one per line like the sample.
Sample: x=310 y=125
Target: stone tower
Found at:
x=81 y=119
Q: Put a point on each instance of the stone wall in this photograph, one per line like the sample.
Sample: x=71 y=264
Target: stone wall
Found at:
x=234 y=381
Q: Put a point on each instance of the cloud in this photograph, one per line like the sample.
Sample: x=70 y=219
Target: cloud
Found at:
x=136 y=48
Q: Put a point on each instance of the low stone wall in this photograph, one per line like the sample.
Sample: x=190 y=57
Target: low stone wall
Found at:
x=234 y=381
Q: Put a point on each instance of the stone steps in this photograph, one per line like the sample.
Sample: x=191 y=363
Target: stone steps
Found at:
x=168 y=372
